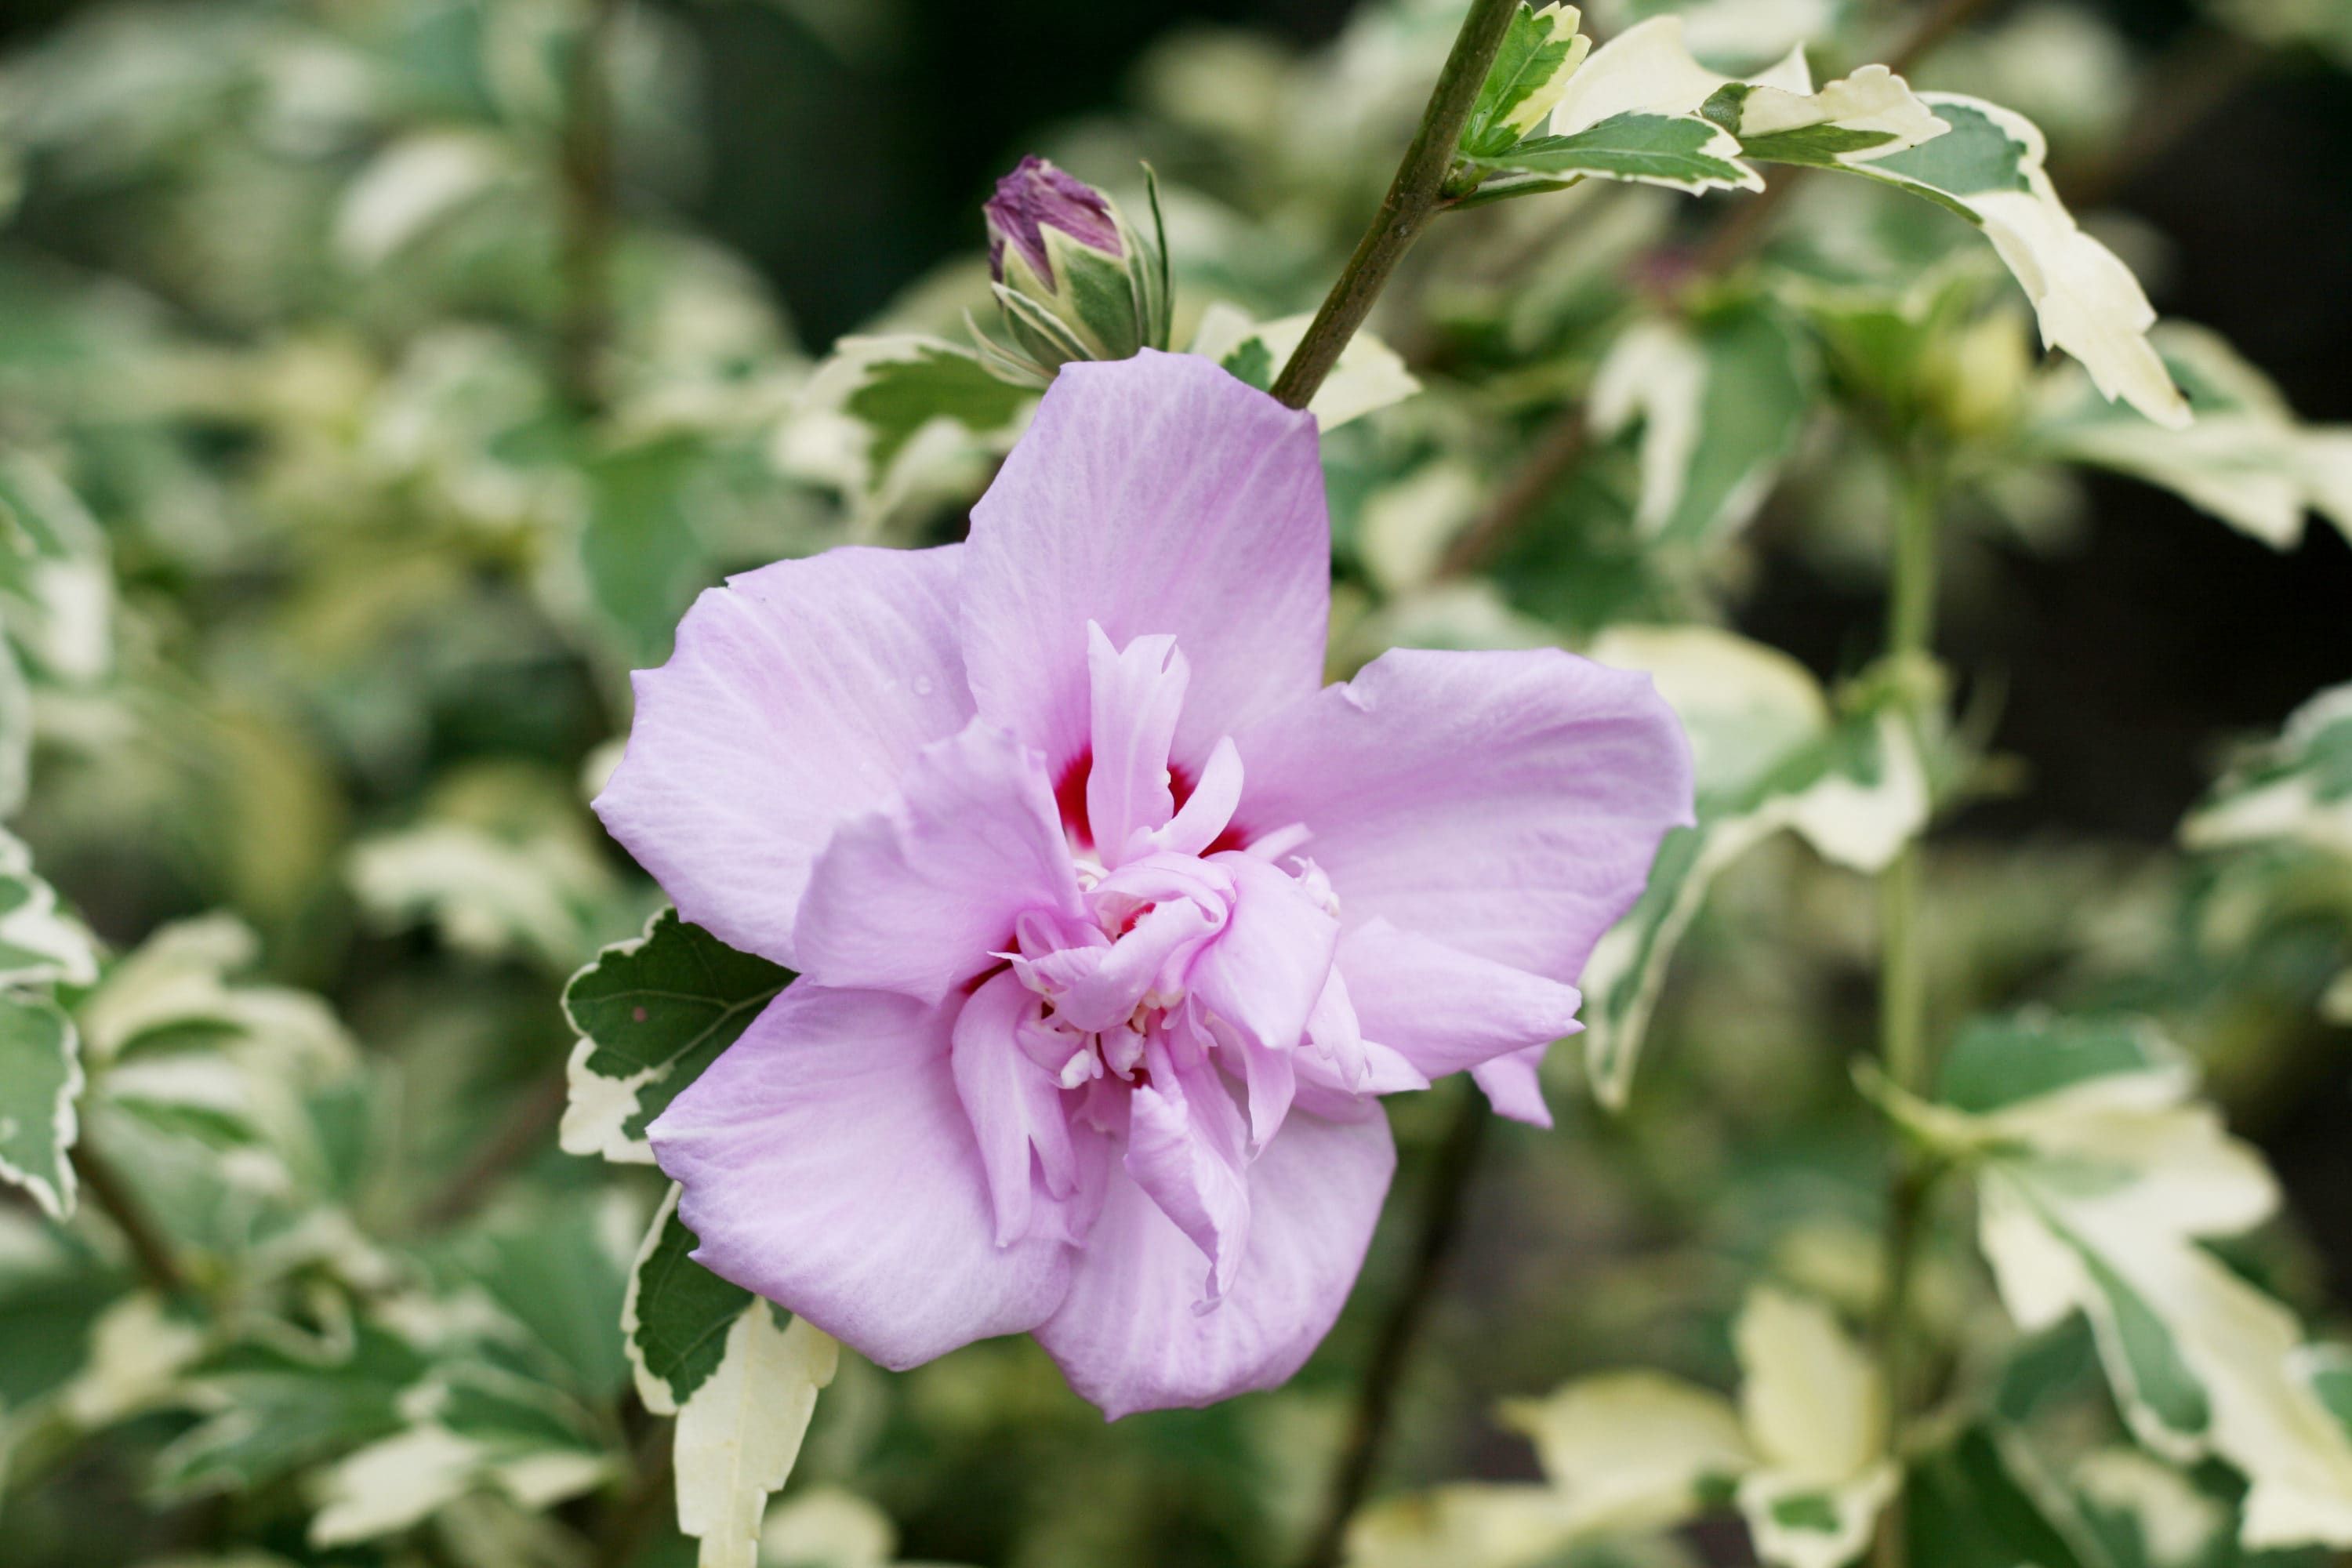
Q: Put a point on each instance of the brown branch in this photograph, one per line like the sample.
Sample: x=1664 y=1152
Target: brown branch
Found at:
x=1441 y=1218
x=1555 y=453
x=1407 y=208
x=584 y=265
x=531 y=1119
x=621 y=1533
x=112 y=1195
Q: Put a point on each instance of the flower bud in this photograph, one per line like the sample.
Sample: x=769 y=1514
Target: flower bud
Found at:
x=1977 y=376
x=1074 y=278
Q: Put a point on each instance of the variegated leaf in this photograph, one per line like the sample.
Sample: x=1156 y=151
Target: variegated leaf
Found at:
x=651 y=1013
x=1369 y=377
x=2099 y=1179
x=1768 y=755
x=739 y=1433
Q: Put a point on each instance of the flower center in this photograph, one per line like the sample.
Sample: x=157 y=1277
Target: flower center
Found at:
x=1106 y=982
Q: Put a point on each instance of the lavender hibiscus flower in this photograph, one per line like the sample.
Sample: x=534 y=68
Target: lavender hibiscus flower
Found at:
x=1113 y=923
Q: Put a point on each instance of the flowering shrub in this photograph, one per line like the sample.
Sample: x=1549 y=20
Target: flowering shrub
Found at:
x=1052 y=791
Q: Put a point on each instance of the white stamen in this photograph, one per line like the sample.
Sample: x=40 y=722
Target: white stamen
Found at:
x=1122 y=1049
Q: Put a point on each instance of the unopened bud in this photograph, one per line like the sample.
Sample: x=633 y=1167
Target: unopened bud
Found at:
x=1074 y=278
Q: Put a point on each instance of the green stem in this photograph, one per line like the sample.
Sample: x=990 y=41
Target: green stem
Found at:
x=1412 y=201
x=1911 y=595
x=1902 y=983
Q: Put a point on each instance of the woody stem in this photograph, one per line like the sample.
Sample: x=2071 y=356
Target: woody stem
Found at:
x=1412 y=201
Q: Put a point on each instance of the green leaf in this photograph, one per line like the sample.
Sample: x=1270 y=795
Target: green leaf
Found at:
x=38 y=945
x=2326 y=1371
x=2096 y=1196
x=642 y=559
x=1997 y=1062
x=555 y=1271
x=1721 y=407
x=1630 y=1450
x=739 y=1434
x=1987 y=167
x=40 y=1079
x=1369 y=375
x=1817 y=146
x=56 y=591
x=1969 y=1505
x=653 y=1012
x=1815 y=1511
x=504 y=862
x=1538 y=52
x=2296 y=789
x=2146 y=1514
x=278 y=1413
x=2141 y=1347
x=1867 y=117
x=1977 y=155
x=889 y=420
x=2248 y=460
x=1768 y=756
x=15 y=731
x=676 y=1315
x=2045 y=1366
x=1974 y=158
x=509 y=1415
x=1682 y=152
x=900 y=396
x=1251 y=362
x=401 y=1480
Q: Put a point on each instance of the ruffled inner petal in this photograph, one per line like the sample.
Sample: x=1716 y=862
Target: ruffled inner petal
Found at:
x=922 y=895
x=1014 y=1104
x=1137 y=693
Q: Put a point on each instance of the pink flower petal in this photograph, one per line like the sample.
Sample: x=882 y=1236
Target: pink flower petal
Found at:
x=1512 y=1085
x=1137 y=693
x=828 y=1165
x=797 y=696
x=1128 y=1335
x=1204 y=815
x=1505 y=803
x=1265 y=971
x=1156 y=494
x=1341 y=1066
x=1184 y=1149
x=1264 y=976
x=923 y=893
x=1169 y=906
x=1014 y=1104
x=1443 y=1010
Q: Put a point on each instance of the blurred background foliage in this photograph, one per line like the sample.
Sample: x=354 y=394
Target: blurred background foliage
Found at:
x=371 y=404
